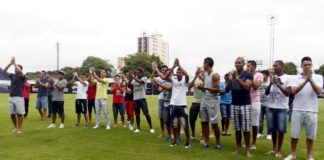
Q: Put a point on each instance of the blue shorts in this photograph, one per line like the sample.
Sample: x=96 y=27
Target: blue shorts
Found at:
x=41 y=102
x=277 y=120
x=226 y=110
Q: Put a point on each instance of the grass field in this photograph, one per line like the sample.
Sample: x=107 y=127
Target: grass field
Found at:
x=74 y=143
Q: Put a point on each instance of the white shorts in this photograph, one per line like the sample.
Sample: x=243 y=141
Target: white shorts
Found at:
x=255 y=113
x=16 y=105
x=300 y=119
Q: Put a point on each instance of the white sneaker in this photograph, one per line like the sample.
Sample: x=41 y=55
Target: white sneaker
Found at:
x=61 y=125
x=290 y=157
x=96 y=127
x=131 y=128
x=108 y=127
x=259 y=135
x=52 y=126
x=152 y=130
x=136 y=131
x=269 y=137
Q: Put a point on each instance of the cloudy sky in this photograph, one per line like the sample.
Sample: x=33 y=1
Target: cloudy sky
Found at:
x=222 y=29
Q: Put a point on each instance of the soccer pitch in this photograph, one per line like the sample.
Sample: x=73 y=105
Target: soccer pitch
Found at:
x=74 y=143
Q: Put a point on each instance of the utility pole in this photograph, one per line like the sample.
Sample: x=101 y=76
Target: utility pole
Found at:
x=272 y=39
x=58 y=56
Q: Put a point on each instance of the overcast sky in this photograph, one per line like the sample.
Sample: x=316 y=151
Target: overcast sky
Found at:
x=222 y=29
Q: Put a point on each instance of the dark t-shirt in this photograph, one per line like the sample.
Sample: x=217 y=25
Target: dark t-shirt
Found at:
x=129 y=93
x=241 y=96
x=17 y=85
x=42 y=91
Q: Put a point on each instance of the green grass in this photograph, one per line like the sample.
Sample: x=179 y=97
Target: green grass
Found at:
x=71 y=143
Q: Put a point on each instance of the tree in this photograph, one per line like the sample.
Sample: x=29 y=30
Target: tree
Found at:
x=96 y=62
x=133 y=61
x=321 y=70
x=68 y=72
x=290 y=68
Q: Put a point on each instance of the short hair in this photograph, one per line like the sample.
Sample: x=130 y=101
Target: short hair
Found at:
x=117 y=75
x=280 y=62
x=43 y=71
x=209 y=61
x=240 y=58
x=306 y=59
x=20 y=66
x=253 y=63
x=266 y=72
x=164 y=66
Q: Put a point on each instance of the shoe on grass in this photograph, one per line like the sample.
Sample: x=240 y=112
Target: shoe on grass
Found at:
x=108 y=127
x=269 y=137
x=290 y=157
x=61 y=125
x=96 y=127
x=187 y=146
x=137 y=130
x=52 y=126
x=259 y=135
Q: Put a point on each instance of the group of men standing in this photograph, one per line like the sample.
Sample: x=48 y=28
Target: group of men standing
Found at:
x=245 y=97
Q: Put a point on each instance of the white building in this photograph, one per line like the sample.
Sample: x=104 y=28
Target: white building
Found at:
x=154 y=45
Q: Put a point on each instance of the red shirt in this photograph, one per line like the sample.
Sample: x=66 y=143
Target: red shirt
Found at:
x=26 y=90
x=92 y=88
x=118 y=96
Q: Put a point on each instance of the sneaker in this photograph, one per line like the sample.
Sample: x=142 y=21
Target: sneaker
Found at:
x=290 y=157
x=223 y=133
x=61 y=125
x=108 y=127
x=18 y=132
x=259 y=135
x=218 y=147
x=205 y=145
x=253 y=147
x=187 y=146
x=271 y=153
x=52 y=126
x=136 y=131
x=173 y=144
x=14 y=130
x=243 y=145
x=169 y=139
x=192 y=138
x=269 y=137
x=96 y=127
x=202 y=141
x=278 y=155
x=131 y=127
x=152 y=130
x=310 y=158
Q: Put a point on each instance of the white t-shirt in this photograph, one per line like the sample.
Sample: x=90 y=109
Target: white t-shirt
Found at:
x=162 y=82
x=82 y=90
x=306 y=99
x=179 y=92
x=277 y=99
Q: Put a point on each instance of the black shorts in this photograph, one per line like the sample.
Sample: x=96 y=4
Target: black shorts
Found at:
x=81 y=106
x=194 y=111
x=58 y=107
x=91 y=105
x=180 y=113
x=141 y=104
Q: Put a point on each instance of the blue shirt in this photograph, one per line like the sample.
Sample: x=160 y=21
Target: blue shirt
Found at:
x=227 y=97
x=42 y=91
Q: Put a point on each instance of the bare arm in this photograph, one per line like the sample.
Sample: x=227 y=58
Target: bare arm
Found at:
x=98 y=79
x=215 y=86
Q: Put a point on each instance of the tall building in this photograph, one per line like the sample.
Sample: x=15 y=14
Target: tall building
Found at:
x=154 y=45
x=120 y=63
